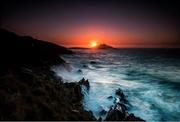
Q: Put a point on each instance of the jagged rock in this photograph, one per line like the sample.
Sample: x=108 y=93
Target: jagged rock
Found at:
x=123 y=107
x=85 y=83
x=120 y=93
x=77 y=91
x=119 y=112
x=103 y=112
x=121 y=96
x=131 y=117
x=115 y=114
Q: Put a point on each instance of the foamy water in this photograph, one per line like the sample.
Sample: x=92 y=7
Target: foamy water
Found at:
x=150 y=78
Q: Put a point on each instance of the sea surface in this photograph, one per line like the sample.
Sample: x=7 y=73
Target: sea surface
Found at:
x=150 y=78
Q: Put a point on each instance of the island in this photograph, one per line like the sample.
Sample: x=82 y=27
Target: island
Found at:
x=100 y=46
x=104 y=46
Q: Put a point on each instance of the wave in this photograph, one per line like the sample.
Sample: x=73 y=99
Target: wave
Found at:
x=150 y=80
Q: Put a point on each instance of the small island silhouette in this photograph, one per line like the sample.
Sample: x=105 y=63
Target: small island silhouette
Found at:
x=100 y=46
x=104 y=46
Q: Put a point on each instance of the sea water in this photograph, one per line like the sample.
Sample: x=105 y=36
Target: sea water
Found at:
x=150 y=78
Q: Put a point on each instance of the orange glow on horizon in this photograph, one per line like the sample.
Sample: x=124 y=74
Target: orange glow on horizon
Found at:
x=93 y=44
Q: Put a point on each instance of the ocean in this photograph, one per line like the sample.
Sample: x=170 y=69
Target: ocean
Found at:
x=150 y=79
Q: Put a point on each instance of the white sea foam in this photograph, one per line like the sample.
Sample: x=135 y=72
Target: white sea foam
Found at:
x=146 y=81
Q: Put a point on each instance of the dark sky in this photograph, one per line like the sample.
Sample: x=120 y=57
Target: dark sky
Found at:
x=122 y=23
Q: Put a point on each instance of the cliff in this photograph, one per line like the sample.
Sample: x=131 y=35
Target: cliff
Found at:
x=28 y=89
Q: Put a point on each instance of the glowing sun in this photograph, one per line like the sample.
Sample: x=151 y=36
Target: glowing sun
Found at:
x=93 y=44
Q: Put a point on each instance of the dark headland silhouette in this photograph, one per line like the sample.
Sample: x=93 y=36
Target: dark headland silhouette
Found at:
x=29 y=90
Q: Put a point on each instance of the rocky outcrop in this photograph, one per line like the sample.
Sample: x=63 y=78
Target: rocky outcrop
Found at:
x=85 y=83
x=122 y=98
x=28 y=89
x=119 y=111
x=93 y=62
x=34 y=93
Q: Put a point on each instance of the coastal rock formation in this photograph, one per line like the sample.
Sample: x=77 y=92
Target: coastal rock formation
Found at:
x=103 y=112
x=93 y=62
x=85 y=83
x=121 y=96
x=119 y=111
x=28 y=89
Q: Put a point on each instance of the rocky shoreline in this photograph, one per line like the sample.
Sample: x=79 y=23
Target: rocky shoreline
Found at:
x=29 y=90
x=119 y=111
x=34 y=93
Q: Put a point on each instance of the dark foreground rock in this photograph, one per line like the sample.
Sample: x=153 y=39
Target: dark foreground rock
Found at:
x=36 y=94
x=119 y=111
x=28 y=89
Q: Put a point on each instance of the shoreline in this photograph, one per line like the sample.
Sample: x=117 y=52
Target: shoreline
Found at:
x=29 y=90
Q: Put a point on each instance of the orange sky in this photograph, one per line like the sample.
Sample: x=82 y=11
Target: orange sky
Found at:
x=114 y=37
x=117 y=23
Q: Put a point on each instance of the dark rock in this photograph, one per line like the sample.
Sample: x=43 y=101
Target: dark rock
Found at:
x=121 y=96
x=100 y=119
x=103 y=112
x=85 y=66
x=93 y=62
x=28 y=89
x=85 y=83
x=123 y=106
x=110 y=97
x=79 y=71
x=119 y=111
x=131 y=117
x=120 y=93
x=77 y=91
x=115 y=114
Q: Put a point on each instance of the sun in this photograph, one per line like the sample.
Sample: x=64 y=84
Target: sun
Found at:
x=93 y=44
